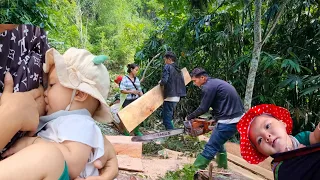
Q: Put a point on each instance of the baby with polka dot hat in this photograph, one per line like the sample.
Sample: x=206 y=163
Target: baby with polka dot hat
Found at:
x=265 y=130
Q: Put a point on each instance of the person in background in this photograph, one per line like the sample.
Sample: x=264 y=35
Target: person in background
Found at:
x=118 y=80
x=130 y=85
x=227 y=109
x=174 y=88
x=116 y=104
x=117 y=95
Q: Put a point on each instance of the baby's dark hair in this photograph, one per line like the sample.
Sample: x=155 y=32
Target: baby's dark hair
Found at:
x=170 y=55
x=131 y=66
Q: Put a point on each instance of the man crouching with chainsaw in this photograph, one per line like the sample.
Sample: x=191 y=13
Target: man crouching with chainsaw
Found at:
x=227 y=109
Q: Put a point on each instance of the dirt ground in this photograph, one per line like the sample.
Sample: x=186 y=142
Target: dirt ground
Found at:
x=156 y=167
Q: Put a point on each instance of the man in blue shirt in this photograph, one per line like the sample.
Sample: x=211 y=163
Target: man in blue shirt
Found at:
x=227 y=109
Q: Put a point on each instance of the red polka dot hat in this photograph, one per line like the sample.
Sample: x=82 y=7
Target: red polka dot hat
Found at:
x=248 y=152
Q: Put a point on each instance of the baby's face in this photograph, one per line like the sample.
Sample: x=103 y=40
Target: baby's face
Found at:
x=57 y=97
x=268 y=135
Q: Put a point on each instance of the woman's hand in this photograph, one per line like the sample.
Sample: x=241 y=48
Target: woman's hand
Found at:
x=41 y=104
x=136 y=92
x=21 y=106
x=19 y=145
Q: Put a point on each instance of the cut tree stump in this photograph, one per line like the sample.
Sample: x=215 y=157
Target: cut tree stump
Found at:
x=124 y=146
x=137 y=111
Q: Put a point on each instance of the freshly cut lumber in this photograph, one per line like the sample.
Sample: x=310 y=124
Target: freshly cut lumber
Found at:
x=234 y=156
x=253 y=168
x=129 y=163
x=244 y=172
x=124 y=146
x=136 y=112
x=234 y=149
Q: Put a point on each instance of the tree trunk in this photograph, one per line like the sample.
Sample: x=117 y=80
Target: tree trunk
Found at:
x=255 y=55
x=258 y=43
x=78 y=16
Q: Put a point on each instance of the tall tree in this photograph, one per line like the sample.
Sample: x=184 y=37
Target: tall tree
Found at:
x=258 y=43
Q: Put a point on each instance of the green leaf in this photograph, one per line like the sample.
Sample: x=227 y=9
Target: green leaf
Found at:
x=310 y=90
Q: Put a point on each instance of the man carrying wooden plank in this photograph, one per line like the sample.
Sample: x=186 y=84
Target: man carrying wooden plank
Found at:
x=136 y=112
x=227 y=109
x=174 y=88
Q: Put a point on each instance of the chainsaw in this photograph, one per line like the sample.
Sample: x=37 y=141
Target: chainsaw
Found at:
x=195 y=127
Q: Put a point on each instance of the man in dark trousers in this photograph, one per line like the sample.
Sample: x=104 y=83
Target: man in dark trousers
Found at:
x=174 y=88
x=227 y=109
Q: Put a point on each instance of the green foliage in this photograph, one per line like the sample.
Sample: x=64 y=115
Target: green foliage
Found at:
x=186 y=173
x=117 y=29
x=64 y=33
x=151 y=148
x=114 y=28
x=216 y=35
x=219 y=38
x=24 y=12
x=184 y=143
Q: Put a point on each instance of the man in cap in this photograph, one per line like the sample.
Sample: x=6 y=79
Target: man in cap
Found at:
x=227 y=109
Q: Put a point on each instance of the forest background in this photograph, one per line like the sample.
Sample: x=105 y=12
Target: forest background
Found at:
x=278 y=52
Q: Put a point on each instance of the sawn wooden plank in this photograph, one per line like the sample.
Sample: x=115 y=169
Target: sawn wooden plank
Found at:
x=124 y=146
x=129 y=163
x=253 y=168
x=136 y=112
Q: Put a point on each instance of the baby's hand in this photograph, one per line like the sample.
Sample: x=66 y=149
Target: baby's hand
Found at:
x=301 y=146
x=19 y=145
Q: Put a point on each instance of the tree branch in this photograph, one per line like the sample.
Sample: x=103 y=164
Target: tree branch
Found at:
x=144 y=73
x=275 y=22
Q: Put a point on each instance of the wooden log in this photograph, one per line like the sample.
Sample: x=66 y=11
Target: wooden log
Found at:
x=136 y=112
x=124 y=146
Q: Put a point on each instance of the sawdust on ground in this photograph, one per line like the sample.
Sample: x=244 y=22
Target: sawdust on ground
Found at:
x=157 y=167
